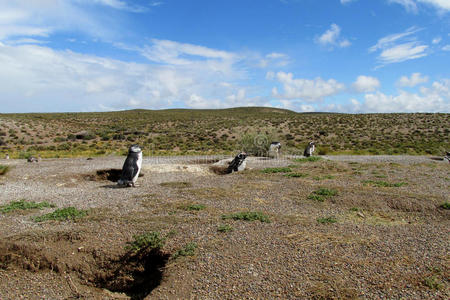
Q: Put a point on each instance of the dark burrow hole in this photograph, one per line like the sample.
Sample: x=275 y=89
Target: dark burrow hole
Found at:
x=135 y=274
x=107 y=174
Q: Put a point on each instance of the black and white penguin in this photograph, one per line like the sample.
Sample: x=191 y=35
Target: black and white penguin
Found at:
x=309 y=149
x=238 y=163
x=275 y=148
x=131 y=167
x=447 y=156
x=32 y=159
x=7 y=156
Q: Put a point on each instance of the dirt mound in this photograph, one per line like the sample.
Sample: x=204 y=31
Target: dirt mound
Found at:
x=107 y=175
x=135 y=274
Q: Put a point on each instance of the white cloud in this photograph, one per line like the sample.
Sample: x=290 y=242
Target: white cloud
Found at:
x=274 y=59
x=446 y=48
x=432 y=99
x=305 y=89
x=412 y=5
x=436 y=40
x=409 y=5
x=440 y=4
x=42 y=79
x=331 y=37
x=366 y=84
x=403 y=52
x=347 y=1
x=415 y=79
x=390 y=40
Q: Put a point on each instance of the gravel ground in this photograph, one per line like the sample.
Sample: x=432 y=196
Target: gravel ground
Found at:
x=387 y=243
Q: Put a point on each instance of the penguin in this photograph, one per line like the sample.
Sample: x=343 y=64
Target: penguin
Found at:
x=7 y=156
x=131 y=167
x=238 y=163
x=309 y=149
x=447 y=156
x=275 y=147
x=32 y=159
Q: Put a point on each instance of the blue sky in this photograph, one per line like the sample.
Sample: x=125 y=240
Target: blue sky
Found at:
x=355 y=56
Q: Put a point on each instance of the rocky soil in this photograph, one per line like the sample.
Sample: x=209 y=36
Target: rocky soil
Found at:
x=380 y=232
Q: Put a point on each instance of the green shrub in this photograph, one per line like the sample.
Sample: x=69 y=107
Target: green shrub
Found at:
x=256 y=144
x=380 y=183
x=327 y=220
x=68 y=213
x=149 y=240
x=445 y=205
x=4 y=169
x=276 y=170
x=248 y=216
x=296 y=175
x=24 y=205
x=188 y=250
x=196 y=207
x=308 y=159
x=224 y=228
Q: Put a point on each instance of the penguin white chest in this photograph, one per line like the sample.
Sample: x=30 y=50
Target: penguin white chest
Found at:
x=139 y=165
x=242 y=166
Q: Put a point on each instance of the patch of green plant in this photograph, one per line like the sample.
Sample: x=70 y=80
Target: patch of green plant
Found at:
x=149 y=240
x=433 y=282
x=224 y=228
x=176 y=184
x=308 y=159
x=315 y=197
x=322 y=194
x=3 y=169
x=276 y=170
x=24 y=205
x=354 y=209
x=327 y=220
x=296 y=175
x=62 y=214
x=188 y=250
x=248 y=216
x=380 y=183
x=195 y=207
x=445 y=205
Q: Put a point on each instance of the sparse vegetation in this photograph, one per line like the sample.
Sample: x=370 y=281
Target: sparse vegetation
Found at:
x=194 y=207
x=445 y=205
x=248 y=216
x=24 y=205
x=380 y=183
x=188 y=250
x=149 y=240
x=296 y=175
x=224 y=228
x=276 y=170
x=176 y=184
x=327 y=220
x=3 y=169
x=308 y=159
x=322 y=194
x=63 y=214
x=179 y=131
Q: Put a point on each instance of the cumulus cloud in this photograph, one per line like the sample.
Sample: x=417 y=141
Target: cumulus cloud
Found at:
x=366 y=84
x=446 y=48
x=305 y=89
x=409 y=5
x=430 y=99
x=332 y=38
x=436 y=40
x=347 y=1
x=415 y=79
x=42 y=79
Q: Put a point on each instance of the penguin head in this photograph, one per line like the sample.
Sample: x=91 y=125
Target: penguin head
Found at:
x=242 y=155
x=312 y=144
x=134 y=149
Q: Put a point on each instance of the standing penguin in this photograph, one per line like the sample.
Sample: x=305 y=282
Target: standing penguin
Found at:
x=131 y=167
x=309 y=149
x=238 y=163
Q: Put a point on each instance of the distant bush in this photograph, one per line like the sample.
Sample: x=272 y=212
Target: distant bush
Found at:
x=68 y=213
x=256 y=144
x=149 y=240
x=248 y=216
